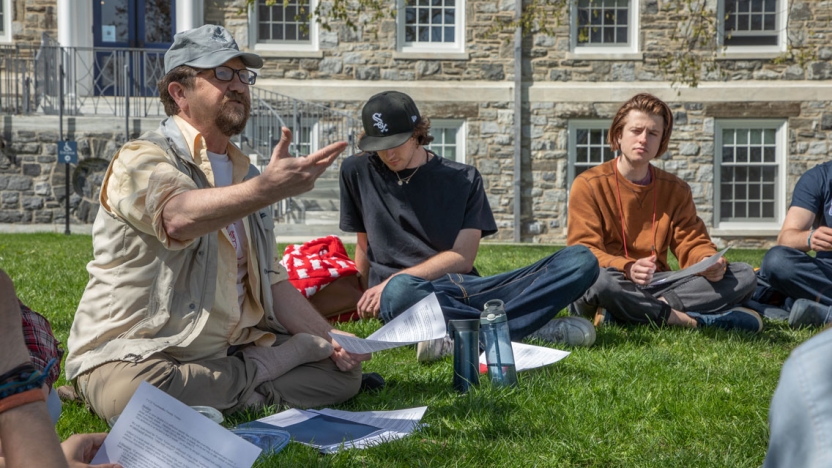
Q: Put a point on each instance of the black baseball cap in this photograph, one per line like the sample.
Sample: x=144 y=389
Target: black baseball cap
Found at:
x=207 y=46
x=389 y=120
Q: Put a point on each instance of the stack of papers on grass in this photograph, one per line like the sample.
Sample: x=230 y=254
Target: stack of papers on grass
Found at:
x=529 y=357
x=421 y=322
x=332 y=430
x=158 y=431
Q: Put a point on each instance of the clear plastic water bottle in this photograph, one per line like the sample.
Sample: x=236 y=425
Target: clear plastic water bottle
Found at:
x=498 y=353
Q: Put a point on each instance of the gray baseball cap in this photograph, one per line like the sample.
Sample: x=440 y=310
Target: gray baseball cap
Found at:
x=207 y=46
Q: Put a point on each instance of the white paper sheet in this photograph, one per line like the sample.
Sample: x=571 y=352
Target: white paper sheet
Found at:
x=530 y=357
x=421 y=322
x=691 y=270
x=391 y=425
x=157 y=430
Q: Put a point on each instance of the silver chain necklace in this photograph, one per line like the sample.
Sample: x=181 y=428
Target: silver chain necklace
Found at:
x=406 y=180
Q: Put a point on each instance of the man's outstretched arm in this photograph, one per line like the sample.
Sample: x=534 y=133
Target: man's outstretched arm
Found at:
x=194 y=213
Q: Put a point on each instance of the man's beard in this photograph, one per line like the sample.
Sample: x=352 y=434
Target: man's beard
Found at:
x=231 y=120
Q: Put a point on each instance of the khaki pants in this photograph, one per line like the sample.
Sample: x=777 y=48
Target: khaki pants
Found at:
x=224 y=383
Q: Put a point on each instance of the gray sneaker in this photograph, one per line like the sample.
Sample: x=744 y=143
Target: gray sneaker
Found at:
x=572 y=331
x=434 y=350
x=809 y=313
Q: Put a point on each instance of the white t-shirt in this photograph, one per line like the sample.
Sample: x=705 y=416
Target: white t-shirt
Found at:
x=222 y=168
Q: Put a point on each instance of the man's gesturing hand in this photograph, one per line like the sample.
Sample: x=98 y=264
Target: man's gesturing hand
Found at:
x=287 y=176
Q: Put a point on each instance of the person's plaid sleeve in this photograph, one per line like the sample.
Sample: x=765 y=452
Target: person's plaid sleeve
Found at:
x=42 y=345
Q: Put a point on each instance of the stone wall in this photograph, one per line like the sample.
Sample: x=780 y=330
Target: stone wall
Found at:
x=369 y=52
x=32 y=18
x=33 y=184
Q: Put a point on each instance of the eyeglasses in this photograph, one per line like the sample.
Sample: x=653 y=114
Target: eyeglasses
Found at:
x=224 y=73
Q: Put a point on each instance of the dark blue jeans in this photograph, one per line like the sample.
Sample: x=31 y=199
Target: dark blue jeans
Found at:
x=532 y=295
x=794 y=274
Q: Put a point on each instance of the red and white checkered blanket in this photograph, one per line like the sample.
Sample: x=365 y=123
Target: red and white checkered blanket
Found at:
x=314 y=264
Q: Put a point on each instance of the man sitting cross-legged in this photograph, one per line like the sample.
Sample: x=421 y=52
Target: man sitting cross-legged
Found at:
x=788 y=275
x=419 y=219
x=629 y=213
x=185 y=289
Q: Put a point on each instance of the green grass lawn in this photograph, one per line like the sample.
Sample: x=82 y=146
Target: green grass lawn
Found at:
x=640 y=397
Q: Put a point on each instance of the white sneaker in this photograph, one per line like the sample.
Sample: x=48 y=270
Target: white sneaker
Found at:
x=433 y=350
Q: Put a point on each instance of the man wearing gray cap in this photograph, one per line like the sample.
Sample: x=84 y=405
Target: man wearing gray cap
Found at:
x=185 y=290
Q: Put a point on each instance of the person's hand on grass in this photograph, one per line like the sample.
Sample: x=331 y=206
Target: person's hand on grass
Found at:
x=80 y=449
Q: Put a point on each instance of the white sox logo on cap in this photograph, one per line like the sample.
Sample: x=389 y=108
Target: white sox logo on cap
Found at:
x=379 y=123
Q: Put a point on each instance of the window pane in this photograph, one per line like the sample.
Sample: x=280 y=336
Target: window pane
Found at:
x=581 y=136
x=742 y=154
x=449 y=34
x=756 y=154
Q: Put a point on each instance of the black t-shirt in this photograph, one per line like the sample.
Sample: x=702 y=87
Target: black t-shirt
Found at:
x=814 y=193
x=406 y=224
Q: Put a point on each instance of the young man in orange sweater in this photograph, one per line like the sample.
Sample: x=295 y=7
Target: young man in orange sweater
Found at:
x=629 y=213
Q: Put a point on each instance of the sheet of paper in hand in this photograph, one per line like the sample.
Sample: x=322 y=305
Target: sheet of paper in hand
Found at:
x=421 y=322
x=691 y=270
x=157 y=430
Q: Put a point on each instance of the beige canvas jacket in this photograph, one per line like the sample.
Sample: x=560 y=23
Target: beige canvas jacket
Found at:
x=144 y=294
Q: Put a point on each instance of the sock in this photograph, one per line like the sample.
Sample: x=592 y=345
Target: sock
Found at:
x=275 y=361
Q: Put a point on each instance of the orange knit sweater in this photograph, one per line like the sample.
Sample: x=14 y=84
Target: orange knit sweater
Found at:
x=595 y=221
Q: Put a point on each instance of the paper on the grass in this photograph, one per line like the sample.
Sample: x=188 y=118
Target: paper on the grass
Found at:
x=157 y=430
x=529 y=357
x=421 y=322
x=332 y=430
x=693 y=269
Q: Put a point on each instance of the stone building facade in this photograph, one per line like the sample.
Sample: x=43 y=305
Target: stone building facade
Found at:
x=760 y=116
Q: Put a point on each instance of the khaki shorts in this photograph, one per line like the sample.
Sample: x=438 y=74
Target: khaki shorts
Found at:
x=224 y=383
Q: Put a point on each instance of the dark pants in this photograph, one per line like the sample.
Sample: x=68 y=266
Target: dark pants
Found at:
x=629 y=303
x=532 y=295
x=794 y=274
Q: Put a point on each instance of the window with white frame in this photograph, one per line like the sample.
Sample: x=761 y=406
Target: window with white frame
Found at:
x=448 y=139
x=604 y=26
x=752 y=24
x=285 y=25
x=431 y=25
x=588 y=146
x=304 y=137
x=749 y=165
x=5 y=20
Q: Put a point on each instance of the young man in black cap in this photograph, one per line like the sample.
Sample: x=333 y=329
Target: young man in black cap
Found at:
x=185 y=289
x=419 y=219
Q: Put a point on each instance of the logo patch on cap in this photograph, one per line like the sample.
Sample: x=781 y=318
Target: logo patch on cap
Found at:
x=218 y=36
x=379 y=123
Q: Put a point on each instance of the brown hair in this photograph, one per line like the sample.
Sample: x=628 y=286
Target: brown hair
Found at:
x=422 y=132
x=182 y=74
x=648 y=104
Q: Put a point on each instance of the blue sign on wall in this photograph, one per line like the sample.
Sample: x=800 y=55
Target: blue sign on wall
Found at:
x=68 y=152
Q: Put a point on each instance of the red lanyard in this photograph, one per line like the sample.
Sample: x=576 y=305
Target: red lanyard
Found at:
x=621 y=209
